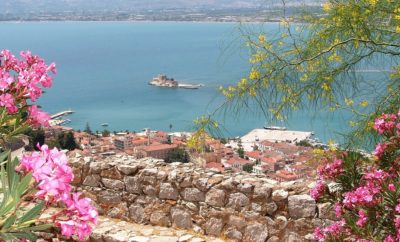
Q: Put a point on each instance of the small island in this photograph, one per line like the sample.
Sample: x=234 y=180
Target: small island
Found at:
x=164 y=81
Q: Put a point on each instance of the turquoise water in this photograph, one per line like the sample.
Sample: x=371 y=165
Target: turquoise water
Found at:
x=104 y=68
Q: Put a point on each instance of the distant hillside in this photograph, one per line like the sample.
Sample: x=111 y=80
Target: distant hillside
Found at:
x=51 y=6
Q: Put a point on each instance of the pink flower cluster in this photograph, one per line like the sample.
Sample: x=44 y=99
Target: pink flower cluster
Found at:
x=364 y=195
x=331 y=170
x=386 y=122
x=333 y=231
x=31 y=76
x=318 y=190
x=53 y=175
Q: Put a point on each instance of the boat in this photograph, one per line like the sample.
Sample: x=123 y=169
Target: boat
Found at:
x=104 y=124
x=275 y=128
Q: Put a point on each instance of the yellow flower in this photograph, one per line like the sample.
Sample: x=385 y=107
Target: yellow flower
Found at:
x=349 y=102
x=364 y=103
x=261 y=38
x=254 y=74
x=327 y=6
x=326 y=86
x=398 y=29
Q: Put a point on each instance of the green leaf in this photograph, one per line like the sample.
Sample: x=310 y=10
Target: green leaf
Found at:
x=31 y=214
x=8 y=236
x=24 y=184
x=25 y=235
x=9 y=222
x=39 y=227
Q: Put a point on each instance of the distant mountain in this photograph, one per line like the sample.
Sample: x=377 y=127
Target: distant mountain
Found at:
x=51 y=6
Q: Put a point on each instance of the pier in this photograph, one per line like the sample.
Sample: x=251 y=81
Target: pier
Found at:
x=60 y=114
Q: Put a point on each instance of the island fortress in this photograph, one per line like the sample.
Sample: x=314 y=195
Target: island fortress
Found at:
x=164 y=81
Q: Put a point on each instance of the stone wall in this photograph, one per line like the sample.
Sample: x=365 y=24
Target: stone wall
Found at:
x=240 y=207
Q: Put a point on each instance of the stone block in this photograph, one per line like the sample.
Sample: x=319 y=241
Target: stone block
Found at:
x=256 y=233
x=167 y=191
x=301 y=206
x=193 y=195
x=215 y=197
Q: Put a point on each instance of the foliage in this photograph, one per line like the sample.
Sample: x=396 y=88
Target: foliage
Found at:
x=317 y=64
x=240 y=152
x=177 y=155
x=87 y=129
x=36 y=136
x=42 y=178
x=365 y=191
x=105 y=133
x=66 y=140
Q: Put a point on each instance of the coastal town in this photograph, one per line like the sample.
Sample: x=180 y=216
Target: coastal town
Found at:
x=276 y=154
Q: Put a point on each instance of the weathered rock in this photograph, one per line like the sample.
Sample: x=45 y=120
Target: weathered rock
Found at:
x=119 y=236
x=150 y=190
x=237 y=222
x=185 y=238
x=202 y=184
x=113 y=184
x=301 y=206
x=215 y=197
x=256 y=233
x=139 y=239
x=245 y=188
x=238 y=201
x=293 y=237
x=326 y=211
x=181 y=218
x=281 y=222
x=77 y=171
x=215 y=179
x=160 y=219
x=234 y=234
x=111 y=173
x=167 y=191
x=136 y=213
x=193 y=195
x=92 y=181
x=132 y=185
x=271 y=208
x=127 y=169
x=109 y=197
x=95 y=168
x=279 y=195
x=214 y=226
x=273 y=239
x=262 y=191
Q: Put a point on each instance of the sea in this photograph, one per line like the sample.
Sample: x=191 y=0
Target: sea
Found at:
x=104 y=69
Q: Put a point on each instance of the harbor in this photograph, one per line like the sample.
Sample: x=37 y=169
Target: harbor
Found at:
x=55 y=119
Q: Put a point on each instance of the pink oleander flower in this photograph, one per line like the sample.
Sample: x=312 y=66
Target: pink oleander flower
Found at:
x=331 y=170
x=318 y=190
x=385 y=123
x=397 y=209
x=318 y=235
x=338 y=210
x=365 y=195
x=362 y=218
x=37 y=117
x=379 y=150
x=82 y=215
x=51 y=171
x=391 y=187
x=335 y=230
x=389 y=238
x=377 y=175
x=7 y=101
